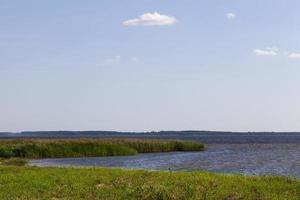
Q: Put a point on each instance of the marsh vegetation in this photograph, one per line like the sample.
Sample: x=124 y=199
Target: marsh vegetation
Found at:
x=59 y=148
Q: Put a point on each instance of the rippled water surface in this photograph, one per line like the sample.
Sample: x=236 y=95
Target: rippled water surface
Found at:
x=249 y=159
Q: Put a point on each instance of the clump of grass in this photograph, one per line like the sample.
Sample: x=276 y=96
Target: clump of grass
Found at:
x=50 y=148
x=13 y=162
x=115 y=184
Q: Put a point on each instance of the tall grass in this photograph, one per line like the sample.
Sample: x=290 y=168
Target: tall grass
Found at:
x=50 y=148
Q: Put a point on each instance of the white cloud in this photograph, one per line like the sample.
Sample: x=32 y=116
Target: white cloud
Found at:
x=231 y=15
x=270 y=51
x=294 y=55
x=151 y=19
x=276 y=49
x=113 y=60
x=134 y=59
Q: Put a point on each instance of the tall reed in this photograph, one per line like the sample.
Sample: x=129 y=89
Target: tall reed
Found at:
x=54 y=148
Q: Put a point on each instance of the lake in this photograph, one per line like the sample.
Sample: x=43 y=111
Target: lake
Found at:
x=249 y=154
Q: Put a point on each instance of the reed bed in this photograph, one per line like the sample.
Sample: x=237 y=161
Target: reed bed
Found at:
x=59 y=148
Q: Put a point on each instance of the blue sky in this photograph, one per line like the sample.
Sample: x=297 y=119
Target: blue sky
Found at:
x=145 y=65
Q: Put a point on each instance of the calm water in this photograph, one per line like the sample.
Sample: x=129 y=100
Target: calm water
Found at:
x=250 y=159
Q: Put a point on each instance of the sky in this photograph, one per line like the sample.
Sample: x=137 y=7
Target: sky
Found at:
x=143 y=65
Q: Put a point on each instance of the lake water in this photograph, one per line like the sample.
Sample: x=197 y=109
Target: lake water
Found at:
x=250 y=154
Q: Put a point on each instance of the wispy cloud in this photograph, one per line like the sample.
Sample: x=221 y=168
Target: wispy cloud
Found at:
x=270 y=51
x=151 y=19
x=231 y=15
x=113 y=60
x=134 y=59
x=116 y=60
x=294 y=55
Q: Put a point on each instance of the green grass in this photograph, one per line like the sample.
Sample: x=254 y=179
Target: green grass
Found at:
x=115 y=184
x=50 y=148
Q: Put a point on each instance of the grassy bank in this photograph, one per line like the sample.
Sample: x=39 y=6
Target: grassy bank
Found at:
x=115 y=184
x=50 y=148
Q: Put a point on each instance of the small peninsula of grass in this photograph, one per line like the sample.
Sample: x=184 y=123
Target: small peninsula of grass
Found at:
x=115 y=184
x=59 y=148
x=13 y=161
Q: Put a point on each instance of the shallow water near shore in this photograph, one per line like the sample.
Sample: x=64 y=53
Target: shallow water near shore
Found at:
x=249 y=159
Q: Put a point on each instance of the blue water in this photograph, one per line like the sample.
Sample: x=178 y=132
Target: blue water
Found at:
x=249 y=154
